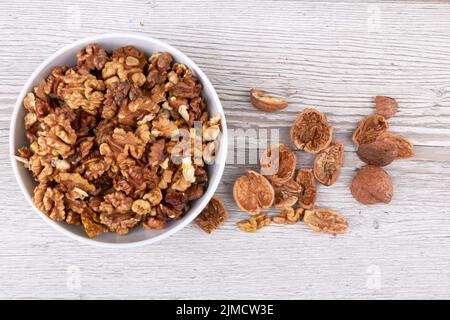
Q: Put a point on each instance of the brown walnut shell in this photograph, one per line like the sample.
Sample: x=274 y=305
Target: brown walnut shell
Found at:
x=264 y=102
x=405 y=149
x=328 y=164
x=305 y=178
x=325 y=220
x=278 y=163
x=378 y=153
x=369 y=129
x=284 y=199
x=253 y=192
x=311 y=131
x=386 y=106
x=372 y=185
x=213 y=216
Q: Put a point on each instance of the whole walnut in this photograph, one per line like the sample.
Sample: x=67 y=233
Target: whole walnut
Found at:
x=378 y=153
x=372 y=185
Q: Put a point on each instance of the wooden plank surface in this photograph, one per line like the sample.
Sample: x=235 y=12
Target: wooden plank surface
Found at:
x=334 y=56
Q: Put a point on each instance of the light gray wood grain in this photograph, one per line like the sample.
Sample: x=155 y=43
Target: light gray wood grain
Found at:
x=334 y=56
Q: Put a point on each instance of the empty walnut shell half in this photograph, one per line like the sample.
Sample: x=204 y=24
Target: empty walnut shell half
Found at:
x=328 y=164
x=386 y=106
x=405 y=149
x=284 y=199
x=253 y=192
x=213 y=216
x=325 y=220
x=264 y=102
x=369 y=129
x=311 y=131
x=278 y=163
x=372 y=185
x=305 y=178
x=378 y=153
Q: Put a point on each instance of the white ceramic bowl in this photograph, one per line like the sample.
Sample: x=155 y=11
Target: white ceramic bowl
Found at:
x=67 y=56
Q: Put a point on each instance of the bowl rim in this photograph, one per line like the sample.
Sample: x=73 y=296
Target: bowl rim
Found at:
x=220 y=156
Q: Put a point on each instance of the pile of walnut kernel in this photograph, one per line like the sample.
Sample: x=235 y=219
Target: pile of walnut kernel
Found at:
x=104 y=140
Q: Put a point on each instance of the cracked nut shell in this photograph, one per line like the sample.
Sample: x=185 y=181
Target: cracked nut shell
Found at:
x=369 y=129
x=264 y=102
x=405 y=148
x=253 y=192
x=328 y=164
x=278 y=163
x=386 y=106
x=311 y=131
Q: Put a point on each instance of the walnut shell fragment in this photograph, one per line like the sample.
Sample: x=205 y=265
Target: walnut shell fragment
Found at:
x=386 y=106
x=372 y=185
x=278 y=163
x=328 y=164
x=264 y=102
x=254 y=223
x=405 y=148
x=284 y=199
x=307 y=198
x=369 y=129
x=325 y=220
x=290 y=186
x=213 y=216
x=378 y=153
x=253 y=192
x=311 y=131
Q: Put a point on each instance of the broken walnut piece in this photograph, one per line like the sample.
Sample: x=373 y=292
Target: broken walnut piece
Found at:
x=372 y=185
x=289 y=216
x=307 y=197
x=91 y=227
x=311 y=131
x=92 y=57
x=386 y=106
x=252 y=192
x=405 y=148
x=278 y=163
x=254 y=223
x=369 y=129
x=378 y=153
x=213 y=216
x=154 y=223
x=325 y=220
x=328 y=164
x=83 y=91
x=50 y=201
x=264 y=102
x=141 y=207
x=116 y=213
x=154 y=197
